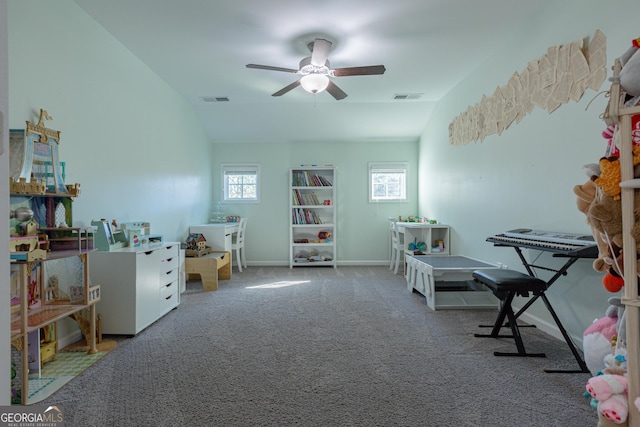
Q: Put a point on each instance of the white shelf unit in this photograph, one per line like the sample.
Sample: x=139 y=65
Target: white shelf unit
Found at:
x=430 y=234
x=623 y=116
x=312 y=210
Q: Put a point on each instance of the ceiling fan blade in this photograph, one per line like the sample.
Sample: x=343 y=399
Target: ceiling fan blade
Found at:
x=270 y=68
x=320 y=52
x=287 y=88
x=359 y=71
x=335 y=91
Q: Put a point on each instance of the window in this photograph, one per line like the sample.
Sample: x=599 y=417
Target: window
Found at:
x=241 y=182
x=388 y=181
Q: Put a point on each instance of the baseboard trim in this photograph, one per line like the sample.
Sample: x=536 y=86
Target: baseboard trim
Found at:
x=548 y=328
x=340 y=263
x=69 y=339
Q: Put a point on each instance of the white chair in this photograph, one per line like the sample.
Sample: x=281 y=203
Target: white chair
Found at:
x=397 y=247
x=391 y=249
x=237 y=244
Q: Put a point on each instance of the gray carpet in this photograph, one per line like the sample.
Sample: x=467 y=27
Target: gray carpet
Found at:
x=323 y=347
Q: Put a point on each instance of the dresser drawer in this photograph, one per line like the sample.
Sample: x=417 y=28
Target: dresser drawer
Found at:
x=169 y=276
x=170 y=297
x=169 y=251
x=170 y=263
x=168 y=289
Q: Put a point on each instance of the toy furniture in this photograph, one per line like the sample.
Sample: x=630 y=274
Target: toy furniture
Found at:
x=238 y=245
x=210 y=268
x=106 y=239
x=446 y=281
x=506 y=284
x=42 y=298
x=49 y=279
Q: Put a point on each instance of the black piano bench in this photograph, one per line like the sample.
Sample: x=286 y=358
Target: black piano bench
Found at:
x=506 y=284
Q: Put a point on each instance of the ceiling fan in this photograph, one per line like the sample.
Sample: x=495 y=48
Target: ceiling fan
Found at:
x=315 y=71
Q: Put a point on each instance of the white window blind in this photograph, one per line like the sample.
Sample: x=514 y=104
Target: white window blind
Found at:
x=241 y=182
x=388 y=181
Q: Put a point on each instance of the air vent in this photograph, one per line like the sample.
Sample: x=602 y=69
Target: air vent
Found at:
x=214 y=98
x=407 y=96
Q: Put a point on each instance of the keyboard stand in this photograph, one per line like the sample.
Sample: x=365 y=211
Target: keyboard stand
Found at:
x=561 y=272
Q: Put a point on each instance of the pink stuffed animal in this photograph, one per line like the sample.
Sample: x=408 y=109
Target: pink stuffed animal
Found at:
x=599 y=337
x=610 y=390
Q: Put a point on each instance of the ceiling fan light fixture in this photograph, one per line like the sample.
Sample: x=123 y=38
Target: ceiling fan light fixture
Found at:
x=314 y=83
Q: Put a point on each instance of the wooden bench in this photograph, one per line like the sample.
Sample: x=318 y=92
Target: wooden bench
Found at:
x=210 y=267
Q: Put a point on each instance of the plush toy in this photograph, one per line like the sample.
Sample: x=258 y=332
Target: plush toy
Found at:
x=601 y=336
x=585 y=197
x=604 y=422
x=612 y=281
x=609 y=179
x=630 y=73
x=605 y=216
x=610 y=390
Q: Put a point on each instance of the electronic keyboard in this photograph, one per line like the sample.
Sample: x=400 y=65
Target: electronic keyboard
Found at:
x=569 y=244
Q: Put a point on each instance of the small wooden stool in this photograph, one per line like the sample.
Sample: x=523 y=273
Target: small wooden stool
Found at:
x=210 y=268
x=506 y=284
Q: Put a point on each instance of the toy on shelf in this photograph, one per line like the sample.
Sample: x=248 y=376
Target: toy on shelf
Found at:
x=106 y=239
x=196 y=245
x=217 y=214
x=25 y=244
x=73 y=189
x=34 y=164
x=26 y=248
x=139 y=233
x=21 y=186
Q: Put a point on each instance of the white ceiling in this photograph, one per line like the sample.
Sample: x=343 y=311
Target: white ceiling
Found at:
x=201 y=47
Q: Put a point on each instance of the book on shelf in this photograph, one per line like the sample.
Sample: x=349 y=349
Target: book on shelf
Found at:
x=305 y=216
x=300 y=198
x=308 y=179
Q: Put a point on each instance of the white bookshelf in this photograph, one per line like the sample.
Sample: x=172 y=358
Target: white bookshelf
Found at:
x=312 y=211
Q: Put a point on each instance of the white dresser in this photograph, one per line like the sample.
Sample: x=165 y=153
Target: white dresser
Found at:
x=139 y=285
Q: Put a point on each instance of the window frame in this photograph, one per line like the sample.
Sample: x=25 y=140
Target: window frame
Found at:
x=226 y=168
x=389 y=167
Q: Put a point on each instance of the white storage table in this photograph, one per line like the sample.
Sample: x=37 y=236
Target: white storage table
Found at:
x=447 y=282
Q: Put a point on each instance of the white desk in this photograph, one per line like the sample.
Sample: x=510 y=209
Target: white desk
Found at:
x=444 y=281
x=218 y=235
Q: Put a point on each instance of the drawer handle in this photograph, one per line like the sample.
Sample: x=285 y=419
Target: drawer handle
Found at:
x=168 y=259
x=169 y=297
x=148 y=252
x=169 y=272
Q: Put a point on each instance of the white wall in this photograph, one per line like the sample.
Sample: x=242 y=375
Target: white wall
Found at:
x=135 y=146
x=362 y=226
x=5 y=351
x=525 y=177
